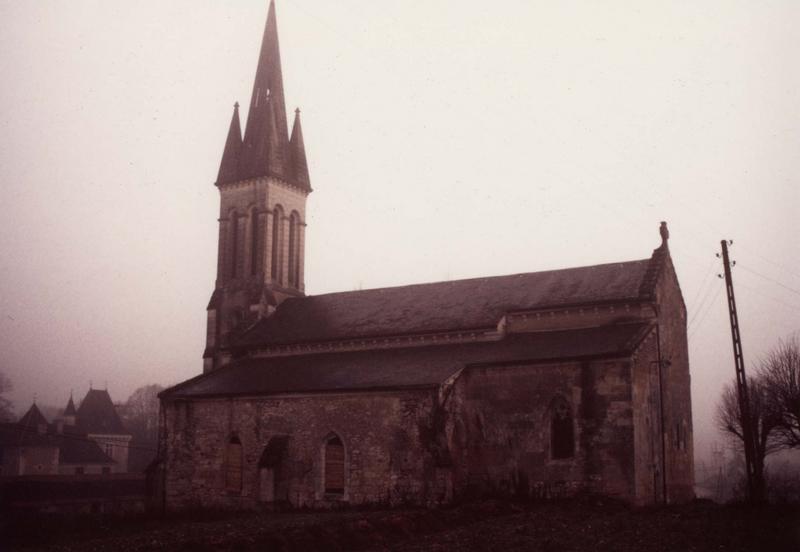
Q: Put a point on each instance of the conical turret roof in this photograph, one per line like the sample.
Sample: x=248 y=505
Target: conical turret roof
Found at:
x=70 y=409
x=33 y=418
x=297 y=154
x=229 y=166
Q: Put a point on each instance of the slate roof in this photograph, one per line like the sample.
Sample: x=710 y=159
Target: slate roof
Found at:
x=79 y=449
x=33 y=418
x=477 y=303
x=74 y=447
x=17 y=435
x=97 y=414
x=411 y=367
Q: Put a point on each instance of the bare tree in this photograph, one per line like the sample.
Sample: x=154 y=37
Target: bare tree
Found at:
x=781 y=374
x=140 y=415
x=6 y=412
x=764 y=421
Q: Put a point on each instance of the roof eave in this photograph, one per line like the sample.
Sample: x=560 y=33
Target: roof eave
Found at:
x=372 y=389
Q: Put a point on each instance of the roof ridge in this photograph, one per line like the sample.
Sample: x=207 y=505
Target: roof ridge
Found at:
x=473 y=279
x=441 y=306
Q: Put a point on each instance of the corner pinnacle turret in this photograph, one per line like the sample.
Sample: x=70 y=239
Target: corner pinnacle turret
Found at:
x=297 y=154
x=229 y=166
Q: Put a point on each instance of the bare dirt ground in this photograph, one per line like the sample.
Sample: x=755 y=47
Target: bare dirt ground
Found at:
x=590 y=524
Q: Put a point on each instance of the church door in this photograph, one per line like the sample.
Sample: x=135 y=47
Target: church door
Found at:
x=272 y=483
x=266 y=484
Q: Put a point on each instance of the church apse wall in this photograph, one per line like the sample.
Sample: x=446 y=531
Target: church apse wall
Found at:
x=543 y=430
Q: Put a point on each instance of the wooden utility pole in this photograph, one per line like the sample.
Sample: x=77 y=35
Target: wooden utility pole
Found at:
x=741 y=378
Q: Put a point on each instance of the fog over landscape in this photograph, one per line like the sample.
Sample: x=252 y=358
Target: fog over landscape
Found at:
x=445 y=140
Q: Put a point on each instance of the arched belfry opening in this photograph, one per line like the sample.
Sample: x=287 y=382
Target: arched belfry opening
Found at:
x=277 y=244
x=255 y=242
x=294 y=249
x=234 y=243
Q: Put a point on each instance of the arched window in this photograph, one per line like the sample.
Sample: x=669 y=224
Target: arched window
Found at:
x=233 y=465
x=277 y=244
x=562 y=441
x=294 y=249
x=334 y=466
x=234 y=243
x=255 y=243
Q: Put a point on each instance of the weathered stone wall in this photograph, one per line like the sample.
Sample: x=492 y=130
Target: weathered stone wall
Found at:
x=500 y=429
x=386 y=437
x=648 y=465
x=263 y=195
x=677 y=387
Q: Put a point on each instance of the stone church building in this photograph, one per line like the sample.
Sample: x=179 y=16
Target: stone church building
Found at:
x=542 y=384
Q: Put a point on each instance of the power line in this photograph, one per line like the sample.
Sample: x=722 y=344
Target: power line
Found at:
x=776 y=282
x=709 y=272
x=702 y=304
x=794 y=308
x=779 y=265
x=23 y=431
x=705 y=314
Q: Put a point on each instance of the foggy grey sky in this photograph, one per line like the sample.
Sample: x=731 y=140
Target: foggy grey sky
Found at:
x=445 y=140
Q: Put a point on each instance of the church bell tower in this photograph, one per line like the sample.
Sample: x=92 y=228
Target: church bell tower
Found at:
x=263 y=184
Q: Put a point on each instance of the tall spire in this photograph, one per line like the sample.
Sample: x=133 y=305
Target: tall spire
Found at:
x=265 y=154
x=276 y=148
x=297 y=154
x=229 y=166
x=267 y=101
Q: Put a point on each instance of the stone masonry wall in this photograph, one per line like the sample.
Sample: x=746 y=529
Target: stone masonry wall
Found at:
x=677 y=387
x=263 y=195
x=500 y=429
x=386 y=457
x=239 y=295
x=649 y=470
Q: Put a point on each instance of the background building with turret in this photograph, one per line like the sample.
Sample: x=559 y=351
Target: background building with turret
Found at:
x=90 y=439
